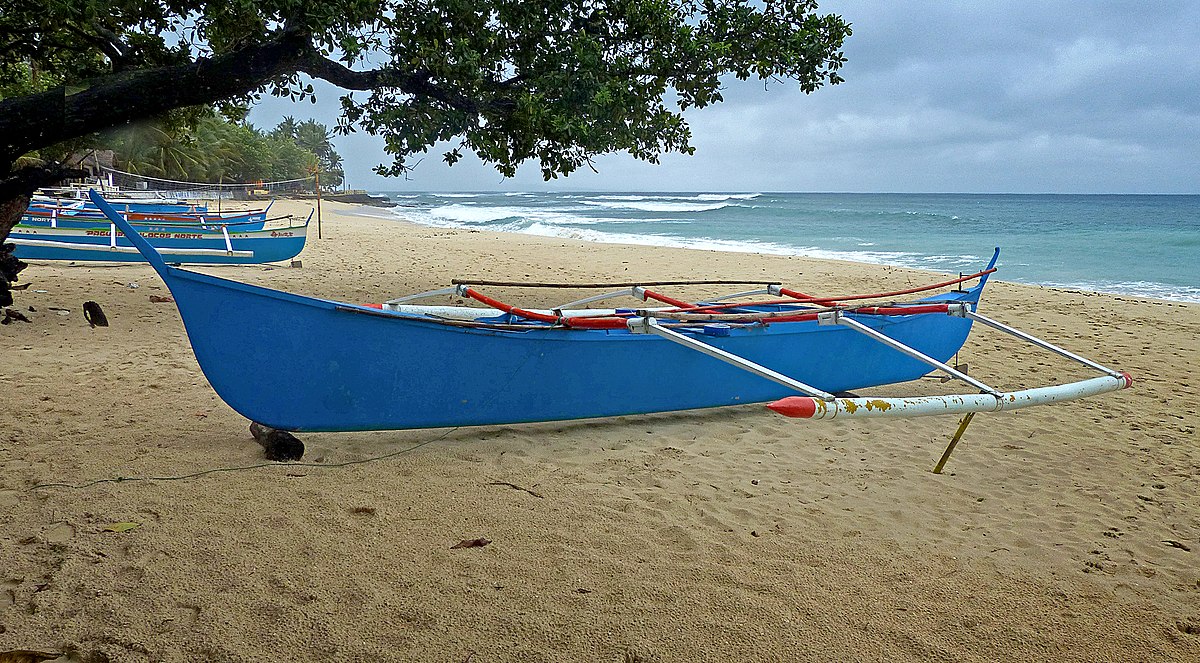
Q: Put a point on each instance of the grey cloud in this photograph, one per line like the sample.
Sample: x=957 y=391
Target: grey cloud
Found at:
x=1020 y=97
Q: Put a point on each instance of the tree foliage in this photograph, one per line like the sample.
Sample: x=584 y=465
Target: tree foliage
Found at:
x=316 y=138
x=217 y=150
x=556 y=81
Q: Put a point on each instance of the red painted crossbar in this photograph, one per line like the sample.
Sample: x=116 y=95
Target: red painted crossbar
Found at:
x=497 y=304
x=678 y=303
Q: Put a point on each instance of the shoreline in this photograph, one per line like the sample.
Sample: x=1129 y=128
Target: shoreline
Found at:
x=396 y=216
x=1067 y=532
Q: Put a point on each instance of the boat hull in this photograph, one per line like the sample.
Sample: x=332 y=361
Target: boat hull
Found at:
x=141 y=207
x=362 y=369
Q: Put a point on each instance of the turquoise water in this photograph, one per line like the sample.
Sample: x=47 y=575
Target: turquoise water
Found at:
x=1144 y=245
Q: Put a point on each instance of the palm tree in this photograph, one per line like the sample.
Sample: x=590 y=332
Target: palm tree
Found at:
x=314 y=137
x=287 y=128
x=155 y=151
x=333 y=167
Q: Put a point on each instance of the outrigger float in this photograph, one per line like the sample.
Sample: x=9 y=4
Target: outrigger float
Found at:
x=402 y=365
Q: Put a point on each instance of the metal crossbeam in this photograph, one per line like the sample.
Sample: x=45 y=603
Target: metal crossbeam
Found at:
x=422 y=295
x=837 y=317
x=1030 y=338
x=651 y=326
x=631 y=292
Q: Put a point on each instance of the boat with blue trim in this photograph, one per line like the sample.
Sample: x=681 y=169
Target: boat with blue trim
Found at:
x=399 y=365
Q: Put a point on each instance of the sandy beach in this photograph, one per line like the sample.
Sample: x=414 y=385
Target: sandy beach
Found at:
x=1064 y=533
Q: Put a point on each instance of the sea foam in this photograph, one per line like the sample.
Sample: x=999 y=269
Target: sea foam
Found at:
x=1136 y=245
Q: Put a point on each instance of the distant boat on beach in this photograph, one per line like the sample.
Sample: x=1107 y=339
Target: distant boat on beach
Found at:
x=151 y=221
x=233 y=239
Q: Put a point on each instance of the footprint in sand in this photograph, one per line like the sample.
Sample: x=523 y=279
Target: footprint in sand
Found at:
x=128 y=577
x=183 y=617
x=8 y=593
x=1189 y=625
x=60 y=532
x=186 y=615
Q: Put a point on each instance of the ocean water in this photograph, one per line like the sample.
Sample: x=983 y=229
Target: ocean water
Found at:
x=1143 y=245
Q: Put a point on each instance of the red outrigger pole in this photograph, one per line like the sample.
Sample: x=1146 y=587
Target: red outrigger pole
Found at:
x=615 y=321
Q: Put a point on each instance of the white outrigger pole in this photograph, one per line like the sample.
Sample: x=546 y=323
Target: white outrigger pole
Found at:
x=989 y=400
x=817 y=404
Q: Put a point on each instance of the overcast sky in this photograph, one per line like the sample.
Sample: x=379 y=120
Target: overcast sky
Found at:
x=1021 y=97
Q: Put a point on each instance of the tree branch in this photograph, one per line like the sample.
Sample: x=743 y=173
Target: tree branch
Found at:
x=109 y=41
x=64 y=113
x=414 y=83
x=110 y=48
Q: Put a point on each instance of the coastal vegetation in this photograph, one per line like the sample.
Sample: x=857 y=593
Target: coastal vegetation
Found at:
x=214 y=149
x=555 y=81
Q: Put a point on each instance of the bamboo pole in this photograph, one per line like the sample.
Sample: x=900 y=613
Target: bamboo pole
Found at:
x=318 y=183
x=962 y=428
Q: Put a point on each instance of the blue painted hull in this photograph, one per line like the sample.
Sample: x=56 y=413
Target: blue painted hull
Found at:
x=145 y=219
x=189 y=246
x=158 y=208
x=240 y=224
x=304 y=364
x=361 y=369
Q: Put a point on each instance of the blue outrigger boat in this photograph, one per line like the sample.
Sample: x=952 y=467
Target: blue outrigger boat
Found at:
x=399 y=365
x=222 y=244
x=245 y=223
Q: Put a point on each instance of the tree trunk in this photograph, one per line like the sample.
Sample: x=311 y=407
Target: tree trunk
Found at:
x=10 y=266
x=16 y=189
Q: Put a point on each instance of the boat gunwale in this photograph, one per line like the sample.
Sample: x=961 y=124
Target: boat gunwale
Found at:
x=546 y=332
